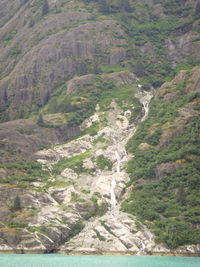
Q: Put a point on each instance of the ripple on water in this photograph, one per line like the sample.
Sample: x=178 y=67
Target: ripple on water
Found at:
x=56 y=260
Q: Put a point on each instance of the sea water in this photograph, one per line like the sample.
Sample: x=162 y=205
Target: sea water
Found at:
x=57 y=260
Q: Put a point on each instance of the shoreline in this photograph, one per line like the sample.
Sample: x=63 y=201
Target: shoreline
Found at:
x=98 y=253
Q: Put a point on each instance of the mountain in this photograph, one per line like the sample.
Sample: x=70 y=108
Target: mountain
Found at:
x=99 y=111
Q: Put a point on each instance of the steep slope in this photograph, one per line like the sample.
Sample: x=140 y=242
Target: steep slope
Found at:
x=42 y=49
x=78 y=189
x=76 y=78
x=165 y=169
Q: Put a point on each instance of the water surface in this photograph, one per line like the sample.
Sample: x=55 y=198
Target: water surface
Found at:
x=57 y=260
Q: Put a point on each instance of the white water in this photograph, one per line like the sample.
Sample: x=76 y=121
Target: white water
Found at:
x=113 y=199
x=118 y=161
x=142 y=251
x=111 y=184
x=145 y=100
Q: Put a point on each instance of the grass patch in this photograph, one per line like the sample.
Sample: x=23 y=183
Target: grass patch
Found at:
x=75 y=163
x=104 y=163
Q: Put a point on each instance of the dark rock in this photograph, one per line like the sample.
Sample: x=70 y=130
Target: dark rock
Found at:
x=167 y=168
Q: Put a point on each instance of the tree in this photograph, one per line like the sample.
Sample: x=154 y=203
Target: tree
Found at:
x=139 y=69
x=17 y=204
x=82 y=68
x=53 y=106
x=96 y=68
x=197 y=10
x=40 y=120
x=23 y=2
x=104 y=6
x=31 y=23
x=125 y=5
x=181 y=195
x=45 y=7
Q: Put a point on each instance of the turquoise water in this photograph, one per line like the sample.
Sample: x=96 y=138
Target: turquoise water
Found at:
x=56 y=260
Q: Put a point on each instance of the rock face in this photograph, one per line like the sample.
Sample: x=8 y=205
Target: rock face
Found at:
x=40 y=51
x=70 y=100
x=57 y=58
x=20 y=139
x=113 y=230
x=161 y=158
x=78 y=208
x=84 y=201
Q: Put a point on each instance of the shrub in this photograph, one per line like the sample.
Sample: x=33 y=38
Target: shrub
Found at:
x=16 y=204
x=45 y=8
x=104 y=163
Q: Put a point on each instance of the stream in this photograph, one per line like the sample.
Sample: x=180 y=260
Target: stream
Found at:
x=145 y=100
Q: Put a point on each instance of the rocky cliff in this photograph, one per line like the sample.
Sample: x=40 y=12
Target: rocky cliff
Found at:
x=98 y=151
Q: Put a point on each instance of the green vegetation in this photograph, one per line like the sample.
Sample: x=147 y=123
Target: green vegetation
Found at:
x=100 y=237
x=75 y=163
x=103 y=223
x=45 y=7
x=77 y=228
x=76 y=198
x=17 y=224
x=24 y=172
x=164 y=172
x=56 y=184
x=40 y=120
x=99 y=209
x=100 y=139
x=80 y=105
x=26 y=131
x=16 y=204
x=85 y=191
x=104 y=163
x=142 y=25
x=168 y=199
x=150 y=29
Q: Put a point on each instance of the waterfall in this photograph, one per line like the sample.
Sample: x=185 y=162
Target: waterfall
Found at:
x=113 y=200
x=142 y=250
x=146 y=109
x=145 y=98
x=118 y=158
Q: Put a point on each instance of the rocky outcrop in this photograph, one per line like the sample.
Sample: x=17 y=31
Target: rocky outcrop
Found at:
x=167 y=168
x=20 y=139
x=182 y=46
x=70 y=199
x=58 y=58
x=79 y=205
x=112 y=230
x=89 y=82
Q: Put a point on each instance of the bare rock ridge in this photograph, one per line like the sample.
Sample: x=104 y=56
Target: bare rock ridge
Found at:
x=40 y=52
x=59 y=58
x=79 y=211
x=96 y=192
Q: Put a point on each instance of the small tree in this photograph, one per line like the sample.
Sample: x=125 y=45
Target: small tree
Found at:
x=181 y=195
x=197 y=10
x=40 y=120
x=139 y=69
x=31 y=23
x=82 y=68
x=96 y=68
x=125 y=5
x=45 y=7
x=16 y=204
x=104 y=6
x=23 y=2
